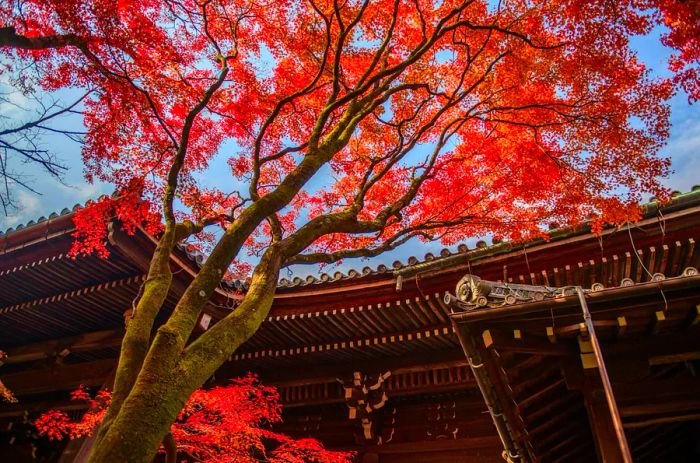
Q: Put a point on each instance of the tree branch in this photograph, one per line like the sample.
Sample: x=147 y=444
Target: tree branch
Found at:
x=10 y=39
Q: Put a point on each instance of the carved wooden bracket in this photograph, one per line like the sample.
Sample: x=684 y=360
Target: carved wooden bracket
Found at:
x=442 y=421
x=364 y=395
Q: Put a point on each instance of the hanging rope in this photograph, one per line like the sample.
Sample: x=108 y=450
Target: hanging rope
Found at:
x=651 y=277
x=662 y=225
x=527 y=262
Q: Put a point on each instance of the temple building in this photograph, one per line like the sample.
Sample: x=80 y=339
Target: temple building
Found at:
x=578 y=348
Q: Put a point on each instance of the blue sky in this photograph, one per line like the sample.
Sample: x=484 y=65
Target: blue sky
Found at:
x=683 y=147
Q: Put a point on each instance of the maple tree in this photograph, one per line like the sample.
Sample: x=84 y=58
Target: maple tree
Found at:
x=218 y=425
x=349 y=128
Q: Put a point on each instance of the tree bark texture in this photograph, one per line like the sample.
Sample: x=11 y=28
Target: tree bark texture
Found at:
x=169 y=374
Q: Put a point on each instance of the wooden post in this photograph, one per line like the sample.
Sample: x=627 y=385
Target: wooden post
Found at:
x=512 y=448
x=598 y=420
x=602 y=427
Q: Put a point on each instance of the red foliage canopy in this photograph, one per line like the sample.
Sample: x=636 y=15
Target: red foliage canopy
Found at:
x=347 y=129
x=467 y=117
x=218 y=425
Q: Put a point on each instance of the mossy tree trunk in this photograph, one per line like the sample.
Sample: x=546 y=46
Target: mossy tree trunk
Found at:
x=155 y=378
x=170 y=374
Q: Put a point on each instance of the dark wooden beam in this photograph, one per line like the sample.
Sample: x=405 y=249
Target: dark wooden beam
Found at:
x=63 y=346
x=438 y=445
x=655 y=346
x=301 y=373
x=59 y=377
x=445 y=362
x=20 y=408
x=545 y=391
x=402 y=382
x=670 y=407
x=380 y=342
x=674 y=358
x=657 y=390
x=599 y=417
x=517 y=341
x=106 y=287
x=559 y=404
x=577 y=453
x=662 y=420
x=564 y=439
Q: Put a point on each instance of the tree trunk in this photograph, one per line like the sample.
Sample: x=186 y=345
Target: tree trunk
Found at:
x=142 y=423
x=170 y=373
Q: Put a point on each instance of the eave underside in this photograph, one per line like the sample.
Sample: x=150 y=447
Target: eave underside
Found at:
x=542 y=373
x=61 y=322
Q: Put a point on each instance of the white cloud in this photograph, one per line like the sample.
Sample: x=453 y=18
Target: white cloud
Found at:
x=55 y=197
x=684 y=150
x=81 y=192
x=29 y=208
x=14 y=105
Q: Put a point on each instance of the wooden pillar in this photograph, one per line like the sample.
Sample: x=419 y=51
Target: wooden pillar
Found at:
x=592 y=359
x=607 y=445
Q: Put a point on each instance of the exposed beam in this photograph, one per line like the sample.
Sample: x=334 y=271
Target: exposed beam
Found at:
x=600 y=419
x=674 y=358
x=619 y=448
x=418 y=368
x=517 y=341
x=565 y=439
x=347 y=344
x=320 y=372
x=20 y=408
x=393 y=393
x=435 y=446
x=576 y=328
x=559 y=404
x=56 y=347
x=547 y=390
x=656 y=347
x=658 y=390
x=662 y=420
x=102 y=287
x=661 y=408
x=59 y=377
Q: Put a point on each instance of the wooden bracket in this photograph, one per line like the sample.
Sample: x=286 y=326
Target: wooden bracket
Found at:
x=588 y=359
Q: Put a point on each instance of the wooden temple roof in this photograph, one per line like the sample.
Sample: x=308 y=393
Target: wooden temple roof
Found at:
x=61 y=321
x=650 y=339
